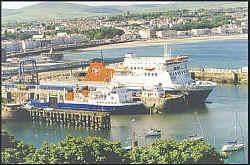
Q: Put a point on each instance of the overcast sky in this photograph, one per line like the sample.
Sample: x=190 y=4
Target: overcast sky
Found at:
x=20 y=4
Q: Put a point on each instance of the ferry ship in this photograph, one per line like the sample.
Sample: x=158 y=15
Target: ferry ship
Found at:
x=170 y=72
x=111 y=98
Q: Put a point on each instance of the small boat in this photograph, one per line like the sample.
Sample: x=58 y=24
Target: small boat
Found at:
x=48 y=109
x=232 y=146
x=27 y=106
x=195 y=137
x=128 y=148
x=153 y=132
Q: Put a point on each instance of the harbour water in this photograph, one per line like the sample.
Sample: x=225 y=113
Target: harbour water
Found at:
x=217 y=121
x=227 y=54
x=216 y=116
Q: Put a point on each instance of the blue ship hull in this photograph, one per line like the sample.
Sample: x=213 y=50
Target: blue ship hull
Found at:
x=126 y=109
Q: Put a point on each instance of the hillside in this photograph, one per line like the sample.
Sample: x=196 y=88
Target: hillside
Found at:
x=50 y=10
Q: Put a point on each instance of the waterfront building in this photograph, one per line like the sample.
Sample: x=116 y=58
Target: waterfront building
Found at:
x=161 y=34
x=12 y=46
x=147 y=33
x=216 y=30
x=184 y=33
x=197 y=32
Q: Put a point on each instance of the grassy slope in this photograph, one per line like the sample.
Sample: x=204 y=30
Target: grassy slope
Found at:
x=50 y=10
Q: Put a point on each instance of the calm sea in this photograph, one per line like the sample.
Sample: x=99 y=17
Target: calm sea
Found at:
x=217 y=118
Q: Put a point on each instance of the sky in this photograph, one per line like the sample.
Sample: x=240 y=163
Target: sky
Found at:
x=20 y=4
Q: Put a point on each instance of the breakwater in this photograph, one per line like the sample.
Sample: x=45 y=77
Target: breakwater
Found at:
x=235 y=76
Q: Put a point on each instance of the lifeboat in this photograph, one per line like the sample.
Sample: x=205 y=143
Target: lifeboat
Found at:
x=70 y=95
x=98 y=72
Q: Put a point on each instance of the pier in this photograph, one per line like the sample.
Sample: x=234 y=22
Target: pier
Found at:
x=94 y=120
x=235 y=76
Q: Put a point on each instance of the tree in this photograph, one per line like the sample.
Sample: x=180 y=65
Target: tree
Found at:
x=96 y=150
x=171 y=152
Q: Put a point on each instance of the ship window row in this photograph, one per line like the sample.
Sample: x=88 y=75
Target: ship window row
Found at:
x=179 y=73
x=136 y=68
x=106 y=102
x=176 y=67
x=150 y=74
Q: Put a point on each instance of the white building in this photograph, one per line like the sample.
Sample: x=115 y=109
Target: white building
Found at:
x=171 y=33
x=197 y=32
x=147 y=33
x=161 y=34
x=11 y=46
x=217 y=30
x=30 y=44
x=62 y=34
x=184 y=33
x=38 y=36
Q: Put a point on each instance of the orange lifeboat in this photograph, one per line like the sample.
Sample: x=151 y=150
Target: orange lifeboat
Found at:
x=70 y=95
x=98 y=72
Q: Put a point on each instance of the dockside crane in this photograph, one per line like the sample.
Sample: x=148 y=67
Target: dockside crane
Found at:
x=33 y=72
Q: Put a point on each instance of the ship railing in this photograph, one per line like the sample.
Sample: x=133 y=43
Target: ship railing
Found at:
x=196 y=84
x=217 y=70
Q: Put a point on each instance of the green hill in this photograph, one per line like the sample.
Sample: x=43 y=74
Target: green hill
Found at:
x=50 y=10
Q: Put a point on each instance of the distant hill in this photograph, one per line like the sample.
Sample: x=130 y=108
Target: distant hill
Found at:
x=50 y=10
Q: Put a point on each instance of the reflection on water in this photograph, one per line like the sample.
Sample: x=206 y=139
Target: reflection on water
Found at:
x=216 y=120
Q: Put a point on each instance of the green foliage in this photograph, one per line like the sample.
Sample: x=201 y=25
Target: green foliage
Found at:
x=90 y=150
x=203 y=22
x=15 y=151
x=16 y=36
x=103 y=33
x=171 y=152
x=80 y=150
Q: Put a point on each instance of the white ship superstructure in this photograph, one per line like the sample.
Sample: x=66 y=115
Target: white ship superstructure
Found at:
x=111 y=98
x=171 y=72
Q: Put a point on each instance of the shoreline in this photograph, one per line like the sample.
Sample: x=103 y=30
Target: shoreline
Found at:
x=153 y=42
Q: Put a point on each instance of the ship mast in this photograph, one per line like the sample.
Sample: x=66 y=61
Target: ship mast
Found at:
x=51 y=47
x=165 y=50
x=235 y=129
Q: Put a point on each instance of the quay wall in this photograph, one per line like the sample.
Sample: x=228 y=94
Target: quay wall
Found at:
x=236 y=76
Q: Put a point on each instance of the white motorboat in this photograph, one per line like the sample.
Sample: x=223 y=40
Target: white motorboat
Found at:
x=153 y=132
x=195 y=137
x=232 y=146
